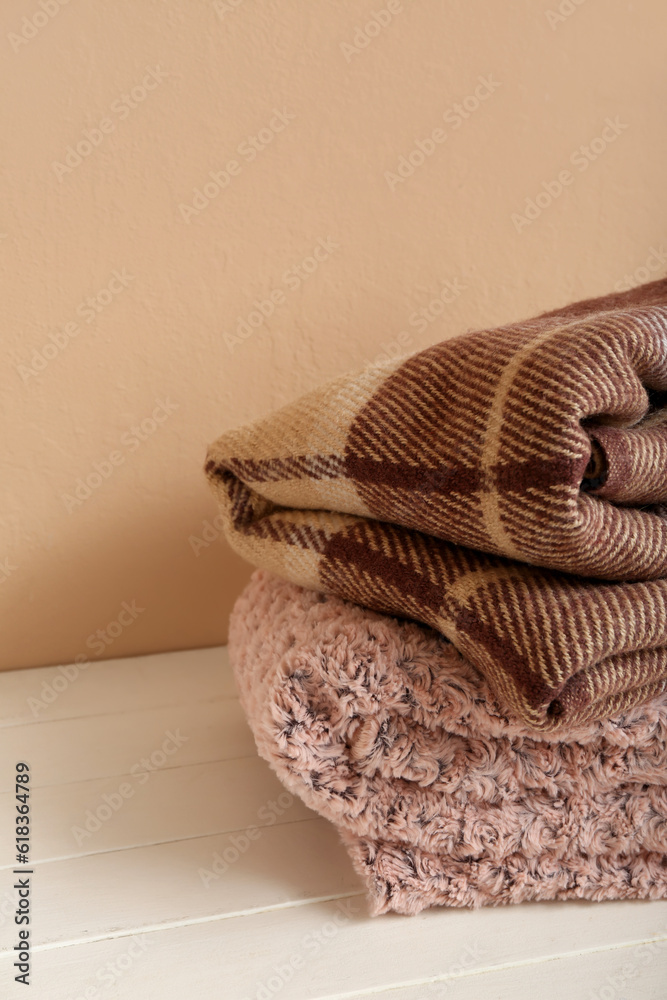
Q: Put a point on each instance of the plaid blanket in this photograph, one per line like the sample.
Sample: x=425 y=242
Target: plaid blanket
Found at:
x=505 y=487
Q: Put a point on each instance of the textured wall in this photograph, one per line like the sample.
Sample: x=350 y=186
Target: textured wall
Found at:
x=210 y=207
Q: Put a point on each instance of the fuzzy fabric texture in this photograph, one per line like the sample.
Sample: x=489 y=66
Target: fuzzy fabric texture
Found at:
x=440 y=798
x=506 y=487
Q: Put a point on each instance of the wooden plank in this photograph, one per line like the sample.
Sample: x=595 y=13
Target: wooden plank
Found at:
x=149 y=808
x=637 y=971
x=101 y=746
x=168 y=883
x=187 y=880
x=333 y=949
x=49 y=693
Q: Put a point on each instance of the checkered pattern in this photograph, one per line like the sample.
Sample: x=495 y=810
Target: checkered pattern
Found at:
x=505 y=487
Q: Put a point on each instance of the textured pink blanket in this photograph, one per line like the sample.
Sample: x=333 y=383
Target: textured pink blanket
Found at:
x=381 y=726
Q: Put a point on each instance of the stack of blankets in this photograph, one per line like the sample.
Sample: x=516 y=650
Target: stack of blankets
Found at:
x=455 y=644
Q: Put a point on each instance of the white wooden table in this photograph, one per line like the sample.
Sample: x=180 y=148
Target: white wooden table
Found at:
x=145 y=884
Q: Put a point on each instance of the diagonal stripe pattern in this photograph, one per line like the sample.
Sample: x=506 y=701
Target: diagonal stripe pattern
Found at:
x=507 y=487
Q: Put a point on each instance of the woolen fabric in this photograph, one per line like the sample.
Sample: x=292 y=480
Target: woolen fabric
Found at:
x=506 y=487
x=439 y=796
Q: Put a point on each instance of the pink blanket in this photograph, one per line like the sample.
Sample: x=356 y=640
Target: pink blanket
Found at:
x=382 y=727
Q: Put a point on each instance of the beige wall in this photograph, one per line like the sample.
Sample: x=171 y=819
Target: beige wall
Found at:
x=169 y=94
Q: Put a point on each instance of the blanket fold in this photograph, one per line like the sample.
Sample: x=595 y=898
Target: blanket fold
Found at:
x=383 y=728
x=507 y=487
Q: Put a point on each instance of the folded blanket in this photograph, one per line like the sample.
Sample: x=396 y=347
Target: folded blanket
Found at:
x=440 y=798
x=505 y=487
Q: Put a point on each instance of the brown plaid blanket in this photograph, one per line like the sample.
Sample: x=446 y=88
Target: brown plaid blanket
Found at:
x=505 y=487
